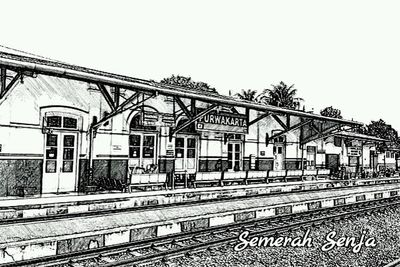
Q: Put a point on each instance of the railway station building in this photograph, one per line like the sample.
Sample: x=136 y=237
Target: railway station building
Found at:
x=65 y=128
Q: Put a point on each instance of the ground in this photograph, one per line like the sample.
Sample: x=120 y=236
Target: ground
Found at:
x=384 y=227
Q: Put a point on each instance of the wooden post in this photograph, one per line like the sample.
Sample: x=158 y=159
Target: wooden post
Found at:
x=3 y=76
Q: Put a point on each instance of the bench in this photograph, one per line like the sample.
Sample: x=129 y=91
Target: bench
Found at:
x=277 y=175
x=323 y=173
x=294 y=174
x=234 y=177
x=207 y=178
x=310 y=173
x=147 y=180
x=258 y=176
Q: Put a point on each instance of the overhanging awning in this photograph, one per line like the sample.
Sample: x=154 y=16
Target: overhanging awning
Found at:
x=358 y=136
x=20 y=63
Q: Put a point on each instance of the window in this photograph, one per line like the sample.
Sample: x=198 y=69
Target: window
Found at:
x=339 y=201
x=360 y=198
x=137 y=124
x=337 y=141
x=393 y=193
x=283 y=210
x=378 y=195
x=67 y=122
x=51 y=153
x=134 y=146
x=148 y=146
x=68 y=153
x=314 y=205
x=54 y=121
x=70 y=123
x=179 y=147
x=142 y=146
x=191 y=148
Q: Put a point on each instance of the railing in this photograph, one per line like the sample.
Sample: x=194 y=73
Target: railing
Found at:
x=224 y=177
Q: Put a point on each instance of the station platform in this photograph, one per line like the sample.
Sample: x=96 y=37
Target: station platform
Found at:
x=48 y=205
x=51 y=237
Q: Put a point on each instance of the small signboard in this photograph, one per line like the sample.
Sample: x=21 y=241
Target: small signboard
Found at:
x=354 y=151
x=116 y=147
x=252 y=162
x=170 y=152
x=150 y=118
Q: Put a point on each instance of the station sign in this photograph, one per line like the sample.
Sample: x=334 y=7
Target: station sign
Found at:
x=223 y=122
x=354 y=151
x=151 y=118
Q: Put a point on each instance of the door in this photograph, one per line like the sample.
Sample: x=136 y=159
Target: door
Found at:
x=373 y=157
x=234 y=156
x=279 y=156
x=142 y=150
x=332 y=162
x=185 y=154
x=311 y=157
x=60 y=166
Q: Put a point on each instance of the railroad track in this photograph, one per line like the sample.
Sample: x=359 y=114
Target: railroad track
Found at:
x=144 y=252
x=14 y=221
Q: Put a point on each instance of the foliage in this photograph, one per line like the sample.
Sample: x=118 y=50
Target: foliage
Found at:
x=331 y=112
x=249 y=95
x=187 y=82
x=280 y=95
x=382 y=130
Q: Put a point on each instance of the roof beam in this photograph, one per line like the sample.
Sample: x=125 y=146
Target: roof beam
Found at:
x=294 y=127
x=266 y=114
x=183 y=107
x=195 y=118
x=322 y=134
x=3 y=77
x=117 y=93
x=10 y=84
x=123 y=107
x=107 y=96
x=281 y=123
x=315 y=128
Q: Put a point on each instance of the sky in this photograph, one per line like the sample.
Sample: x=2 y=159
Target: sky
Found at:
x=339 y=53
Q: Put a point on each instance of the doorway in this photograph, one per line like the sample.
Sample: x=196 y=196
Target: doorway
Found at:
x=60 y=166
x=234 y=156
x=279 y=156
x=186 y=154
x=311 y=157
x=142 y=152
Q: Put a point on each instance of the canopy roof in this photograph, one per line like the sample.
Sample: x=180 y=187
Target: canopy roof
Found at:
x=360 y=136
x=21 y=61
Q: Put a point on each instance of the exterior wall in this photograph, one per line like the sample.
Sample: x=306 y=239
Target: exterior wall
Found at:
x=23 y=138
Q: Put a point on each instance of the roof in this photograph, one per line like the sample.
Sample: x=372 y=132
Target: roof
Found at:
x=361 y=136
x=28 y=62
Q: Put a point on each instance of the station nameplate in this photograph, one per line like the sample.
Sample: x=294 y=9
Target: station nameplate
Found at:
x=223 y=122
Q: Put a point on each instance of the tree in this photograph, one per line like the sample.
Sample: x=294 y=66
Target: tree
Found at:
x=331 y=112
x=281 y=95
x=249 y=95
x=382 y=130
x=188 y=83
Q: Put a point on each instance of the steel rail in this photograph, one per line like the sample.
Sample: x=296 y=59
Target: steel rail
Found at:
x=224 y=234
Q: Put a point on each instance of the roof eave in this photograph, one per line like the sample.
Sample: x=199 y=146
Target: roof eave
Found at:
x=159 y=88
